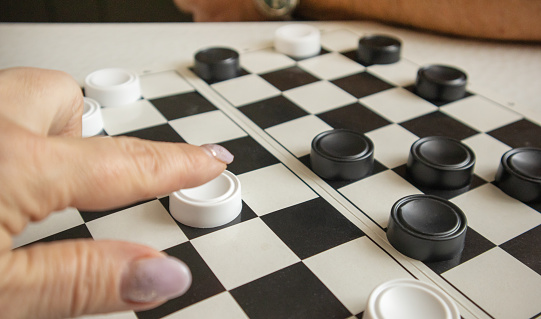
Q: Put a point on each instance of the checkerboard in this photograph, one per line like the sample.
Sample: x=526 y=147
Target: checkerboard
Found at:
x=304 y=247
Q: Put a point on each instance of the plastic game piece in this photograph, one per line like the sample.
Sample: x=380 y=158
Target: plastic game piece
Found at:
x=441 y=163
x=213 y=204
x=441 y=83
x=378 y=49
x=409 y=299
x=519 y=174
x=92 y=120
x=298 y=40
x=427 y=228
x=113 y=87
x=342 y=155
x=217 y=64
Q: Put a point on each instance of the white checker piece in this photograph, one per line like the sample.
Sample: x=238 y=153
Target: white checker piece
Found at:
x=208 y=127
x=401 y=73
x=244 y=252
x=246 y=89
x=496 y=215
x=319 y=97
x=480 y=113
x=331 y=66
x=263 y=61
x=140 y=224
x=297 y=135
x=54 y=223
x=488 y=152
x=392 y=144
x=398 y=105
x=339 y=40
x=352 y=270
x=156 y=85
x=138 y=115
x=272 y=188
x=499 y=283
x=221 y=306
x=376 y=194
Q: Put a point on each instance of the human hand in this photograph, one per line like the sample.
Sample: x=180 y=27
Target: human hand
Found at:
x=45 y=167
x=220 y=11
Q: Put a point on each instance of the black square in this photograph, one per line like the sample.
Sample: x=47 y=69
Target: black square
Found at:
x=362 y=84
x=474 y=245
x=289 y=78
x=526 y=248
x=311 y=227
x=246 y=214
x=77 y=232
x=163 y=133
x=352 y=55
x=249 y=155
x=438 y=124
x=182 y=105
x=292 y=292
x=438 y=103
x=355 y=117
x=522 y=133
x=91 y=215
x=443 y=193
x=273 y=111
x=204 y=284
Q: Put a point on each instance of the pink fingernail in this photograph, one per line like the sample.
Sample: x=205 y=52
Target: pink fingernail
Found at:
x=218 y=152
x=156 y=279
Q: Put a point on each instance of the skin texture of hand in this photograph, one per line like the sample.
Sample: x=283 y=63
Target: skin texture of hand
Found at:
x=45 y=167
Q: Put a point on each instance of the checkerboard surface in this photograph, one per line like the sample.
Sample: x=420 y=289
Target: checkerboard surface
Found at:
x=304 y=247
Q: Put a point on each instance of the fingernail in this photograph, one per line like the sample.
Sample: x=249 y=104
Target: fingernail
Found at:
x=218 y=152
x=155 y=279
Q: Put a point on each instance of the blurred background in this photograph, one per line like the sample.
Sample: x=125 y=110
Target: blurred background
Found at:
x=91 y=11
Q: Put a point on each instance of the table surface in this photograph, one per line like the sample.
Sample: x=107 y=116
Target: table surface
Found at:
x=509 y=70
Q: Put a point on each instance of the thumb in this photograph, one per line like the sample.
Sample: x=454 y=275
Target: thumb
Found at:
x=74 y=278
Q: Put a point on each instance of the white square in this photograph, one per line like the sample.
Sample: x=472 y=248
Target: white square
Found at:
x=162 y=84
x=138 y=115
x=209 y=127
x=244 y=252
x=297 y=135
x=392 y=144
x=375 y=195
x=499 y=283
x=221 y=306
x=246 y=89
x=319 y=97
x=331 y=66
x=398 y=104
x=56 y=222
x=401 y=73
x=352 y=270
x=480 y=113
x=148 y=224
x=272 y=188
x=116 y=315
x=488 y=153
x=495 y=215
x=264 y=61
x=339 y=40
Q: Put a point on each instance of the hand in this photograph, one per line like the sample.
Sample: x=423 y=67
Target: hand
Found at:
x=220 y=11
x=45 y=167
